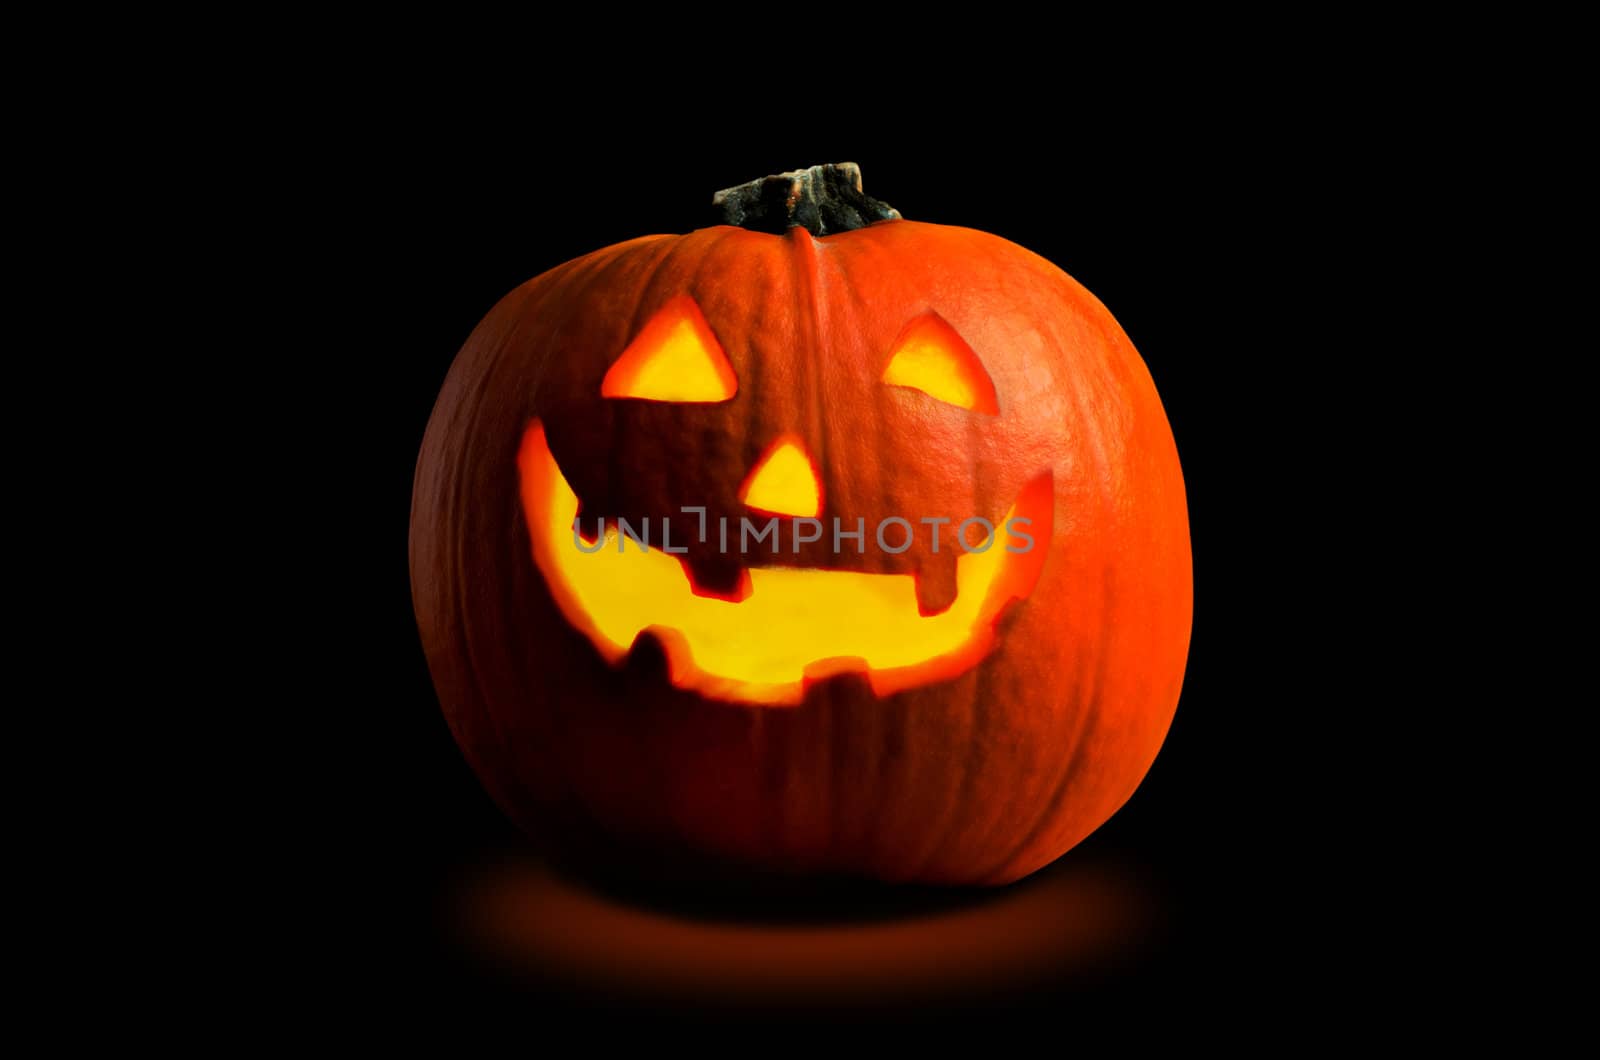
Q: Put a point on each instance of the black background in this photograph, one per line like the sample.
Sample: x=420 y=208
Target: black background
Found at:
x=1209 y=239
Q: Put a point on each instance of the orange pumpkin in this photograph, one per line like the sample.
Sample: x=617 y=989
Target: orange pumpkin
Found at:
x=958 y=695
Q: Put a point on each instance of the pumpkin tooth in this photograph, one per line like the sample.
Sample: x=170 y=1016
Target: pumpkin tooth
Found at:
x=589 y=526
x=843 y=680
x=837 y=673
x=721 y=577
x=936 y=580
x=648 y=656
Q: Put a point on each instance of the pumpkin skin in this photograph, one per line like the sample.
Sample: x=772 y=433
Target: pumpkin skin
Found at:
x=978 y=778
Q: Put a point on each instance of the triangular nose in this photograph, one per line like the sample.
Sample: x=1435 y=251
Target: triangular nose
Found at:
x=784 y=481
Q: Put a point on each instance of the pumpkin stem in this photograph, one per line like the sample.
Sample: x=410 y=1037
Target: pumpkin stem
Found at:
x=822 y=200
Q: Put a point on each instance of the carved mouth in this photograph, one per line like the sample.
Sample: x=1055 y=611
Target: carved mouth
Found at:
x=793 y=626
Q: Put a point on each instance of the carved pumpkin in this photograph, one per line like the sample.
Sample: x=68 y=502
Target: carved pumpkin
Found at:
x=838 y=547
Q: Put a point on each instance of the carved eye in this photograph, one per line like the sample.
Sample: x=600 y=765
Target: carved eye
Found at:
x=929 y=356
x=675 y=357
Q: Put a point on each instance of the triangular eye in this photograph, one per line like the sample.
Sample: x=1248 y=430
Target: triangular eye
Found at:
x=675 y=357
x=929 y=356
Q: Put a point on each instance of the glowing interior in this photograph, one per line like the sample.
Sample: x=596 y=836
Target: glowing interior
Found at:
x=795 y=626
x=784 y=482
x=675 y=357
x=929 y=356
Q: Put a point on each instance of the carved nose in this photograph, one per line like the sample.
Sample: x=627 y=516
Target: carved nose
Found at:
x=784 y=481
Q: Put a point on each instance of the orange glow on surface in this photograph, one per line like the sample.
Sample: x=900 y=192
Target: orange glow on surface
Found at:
x=794 y=625
x=929 y=356
x=1076 y=917
x=784 y=482
x=674 y=358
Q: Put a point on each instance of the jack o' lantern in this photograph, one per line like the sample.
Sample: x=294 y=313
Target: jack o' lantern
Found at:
x=815 y=541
